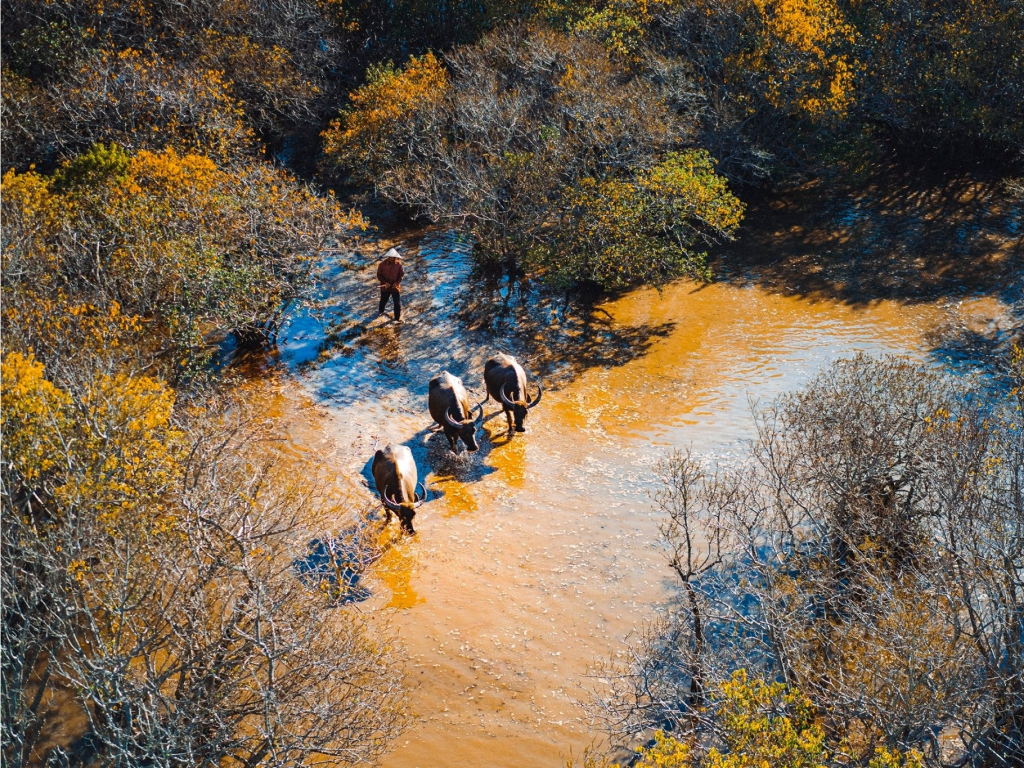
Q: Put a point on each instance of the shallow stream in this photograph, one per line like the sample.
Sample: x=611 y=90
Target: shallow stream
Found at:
x=538 y=555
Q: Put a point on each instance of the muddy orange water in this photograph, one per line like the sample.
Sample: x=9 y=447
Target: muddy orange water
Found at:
x=537 y=555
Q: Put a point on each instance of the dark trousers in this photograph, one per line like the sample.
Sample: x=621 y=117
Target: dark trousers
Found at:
x=390 y=293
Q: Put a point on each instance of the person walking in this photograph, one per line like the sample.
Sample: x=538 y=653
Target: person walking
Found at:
x=389 y=275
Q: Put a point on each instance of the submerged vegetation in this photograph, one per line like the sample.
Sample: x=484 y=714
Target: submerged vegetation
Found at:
x=167 y=182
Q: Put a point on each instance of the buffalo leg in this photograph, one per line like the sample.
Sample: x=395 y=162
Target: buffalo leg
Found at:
x=508 y=416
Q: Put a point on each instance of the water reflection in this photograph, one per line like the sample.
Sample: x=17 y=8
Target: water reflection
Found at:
x=458 y=498
x=508 y=454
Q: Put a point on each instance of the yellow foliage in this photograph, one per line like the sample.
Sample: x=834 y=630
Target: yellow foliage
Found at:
x=127 y=452
x=170 y=240
x=109 y=446
x=801 y=54
x=32 y=415
x=890 y=758
x=762 y=725
x=389 y=96
x=666 y=752
x=268 y=69
x=142 y=100
x=767 y=724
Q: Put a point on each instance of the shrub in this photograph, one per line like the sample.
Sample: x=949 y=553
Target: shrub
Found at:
x=868 y=552
x=150 y=597
x=199 y=77
x=184 y=245
x=554 y=158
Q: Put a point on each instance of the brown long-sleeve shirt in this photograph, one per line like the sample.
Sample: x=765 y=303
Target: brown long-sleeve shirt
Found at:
x=390 y=273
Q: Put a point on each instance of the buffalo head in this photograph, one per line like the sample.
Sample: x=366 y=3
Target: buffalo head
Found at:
x=466 y=429
x=405 y=510
x=520 y=407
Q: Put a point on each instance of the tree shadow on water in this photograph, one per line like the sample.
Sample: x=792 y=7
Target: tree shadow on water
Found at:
x=336 y=565
x=904 y=233
x=965 y=346
x=556 y=335
x=455 y=317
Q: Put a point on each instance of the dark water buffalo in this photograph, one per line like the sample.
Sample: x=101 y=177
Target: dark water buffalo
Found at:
x=449 y=407
x=506 y=383
x=394 y=473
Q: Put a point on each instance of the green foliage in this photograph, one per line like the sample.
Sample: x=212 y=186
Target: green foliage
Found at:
x=941 y=74
x=623 y=233
x=620 y=25
x=537 y=144
x=100 y=165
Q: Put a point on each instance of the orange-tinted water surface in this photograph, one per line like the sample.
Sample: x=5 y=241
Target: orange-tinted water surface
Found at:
x=538 y=555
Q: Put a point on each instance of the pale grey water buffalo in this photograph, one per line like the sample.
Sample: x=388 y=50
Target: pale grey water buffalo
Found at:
x=394 y=473
x=449 y=407
x=506 y=383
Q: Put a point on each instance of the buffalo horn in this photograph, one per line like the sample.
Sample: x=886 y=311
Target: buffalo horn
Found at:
x=504 y=397
x=420 y=501
x=480 y=408
x=540 y=391
x=390 y=503
x=452 y=422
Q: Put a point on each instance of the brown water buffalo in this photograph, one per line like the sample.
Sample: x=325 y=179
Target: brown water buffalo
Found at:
x=449 y=407
x=506 y=383
x=394 y=473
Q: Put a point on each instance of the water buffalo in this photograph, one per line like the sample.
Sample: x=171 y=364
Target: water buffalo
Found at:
x=506 y=383
x=394 y=473
x=449 y=407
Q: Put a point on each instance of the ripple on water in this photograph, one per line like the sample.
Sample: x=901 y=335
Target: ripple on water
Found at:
x=536 y=555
